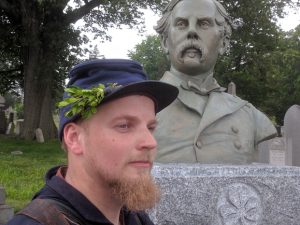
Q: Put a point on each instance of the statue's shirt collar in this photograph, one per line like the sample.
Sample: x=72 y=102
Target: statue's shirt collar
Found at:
x=194 y=84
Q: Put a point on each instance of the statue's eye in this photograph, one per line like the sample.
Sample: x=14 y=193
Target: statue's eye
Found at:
x=181 y=24
x=204 y=24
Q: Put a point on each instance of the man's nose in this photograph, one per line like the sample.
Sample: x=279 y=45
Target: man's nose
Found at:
x=148 y=141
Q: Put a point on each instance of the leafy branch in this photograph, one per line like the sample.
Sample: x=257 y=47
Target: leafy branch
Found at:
x=84 y=102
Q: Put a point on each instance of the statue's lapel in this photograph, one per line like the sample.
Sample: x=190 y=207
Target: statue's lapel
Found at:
x=218 y=106
x=192 y=100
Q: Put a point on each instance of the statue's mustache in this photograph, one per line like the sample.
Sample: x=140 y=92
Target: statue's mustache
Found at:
x=189 y=45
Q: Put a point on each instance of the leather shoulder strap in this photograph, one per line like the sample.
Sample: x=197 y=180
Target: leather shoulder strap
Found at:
x=44 y=212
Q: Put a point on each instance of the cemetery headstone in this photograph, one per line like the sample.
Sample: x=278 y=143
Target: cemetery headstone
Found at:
x=196 y=194
x=6 y=212
x=19 y=126
x=292 y=134
x=273 y=152
x=231 y=88
x=277 y=151
x=39 y=135
x=263 y=152
x=2 y=116
x=10 y=128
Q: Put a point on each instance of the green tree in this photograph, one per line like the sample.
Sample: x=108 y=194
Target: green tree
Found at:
x=253 y=44
x=283 y=78
x=150 y=54
x=39 y=43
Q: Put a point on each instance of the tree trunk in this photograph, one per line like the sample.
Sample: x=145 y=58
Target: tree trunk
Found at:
x=46 y=119
x=38 y=78
x=38 y=106
x=31 y=60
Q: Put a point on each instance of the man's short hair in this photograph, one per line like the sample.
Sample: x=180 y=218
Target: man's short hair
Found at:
x=223 y=20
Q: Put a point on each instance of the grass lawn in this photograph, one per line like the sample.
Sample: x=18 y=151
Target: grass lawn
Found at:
x=23 y=175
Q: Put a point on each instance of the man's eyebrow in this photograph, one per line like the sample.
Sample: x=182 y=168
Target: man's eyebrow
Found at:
x=125 y=116
x=132 y=118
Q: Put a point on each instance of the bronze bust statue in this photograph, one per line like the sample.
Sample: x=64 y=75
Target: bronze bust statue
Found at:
x=204 y=124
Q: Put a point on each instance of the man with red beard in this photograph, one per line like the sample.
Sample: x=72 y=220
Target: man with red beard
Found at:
x=204 y=124
x=107 y=119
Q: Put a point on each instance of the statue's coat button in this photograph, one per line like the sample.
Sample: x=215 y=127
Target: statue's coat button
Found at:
x=237 y=145
x=234 y=129
x=199 y=144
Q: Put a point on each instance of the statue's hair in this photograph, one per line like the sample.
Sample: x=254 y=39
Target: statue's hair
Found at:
x=225 y=23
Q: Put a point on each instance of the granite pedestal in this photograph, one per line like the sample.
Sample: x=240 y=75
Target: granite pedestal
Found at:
x=197 y=194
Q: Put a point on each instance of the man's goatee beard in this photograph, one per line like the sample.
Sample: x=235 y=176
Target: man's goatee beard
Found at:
x=136 y=194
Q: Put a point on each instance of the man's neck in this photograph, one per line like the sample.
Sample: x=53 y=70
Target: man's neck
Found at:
x=198 y=78
x=99 y=195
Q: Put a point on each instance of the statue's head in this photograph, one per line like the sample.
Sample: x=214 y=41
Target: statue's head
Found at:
x=193 y=34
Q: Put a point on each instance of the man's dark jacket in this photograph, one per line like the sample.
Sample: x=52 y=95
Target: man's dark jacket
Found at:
x=58 y=189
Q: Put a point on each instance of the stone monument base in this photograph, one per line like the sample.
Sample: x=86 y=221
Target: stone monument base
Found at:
x=197 y=194
x=6 y=212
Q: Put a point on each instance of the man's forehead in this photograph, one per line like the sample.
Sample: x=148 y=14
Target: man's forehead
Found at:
x=113 y=106
x=197 y=8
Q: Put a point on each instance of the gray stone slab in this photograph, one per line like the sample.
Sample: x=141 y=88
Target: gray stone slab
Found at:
x=39 y=135
x=2 y=195
x=292 y=134
x=263 y=152
x=197 y=194
x=10 y=128
x=273 y=152
x=19 y=126
x=231 y=88
x=277 y=151
x=6 y=213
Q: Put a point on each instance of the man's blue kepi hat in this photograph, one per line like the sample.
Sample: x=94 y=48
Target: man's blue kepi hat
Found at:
x=129 y=77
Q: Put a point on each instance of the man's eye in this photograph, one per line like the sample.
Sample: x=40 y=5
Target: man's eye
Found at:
x=123 y=126
x=151 y=128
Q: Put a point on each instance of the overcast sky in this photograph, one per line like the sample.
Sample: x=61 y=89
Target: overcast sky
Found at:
x=125 y=39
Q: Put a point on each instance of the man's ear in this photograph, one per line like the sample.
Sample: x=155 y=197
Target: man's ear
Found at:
x=72 y=133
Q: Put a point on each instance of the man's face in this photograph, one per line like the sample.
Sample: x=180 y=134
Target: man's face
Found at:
x=118 y=140
x=193 y=39
x=117 y=150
